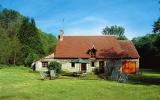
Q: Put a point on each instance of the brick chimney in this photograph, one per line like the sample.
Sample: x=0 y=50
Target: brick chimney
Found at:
x=61 y=35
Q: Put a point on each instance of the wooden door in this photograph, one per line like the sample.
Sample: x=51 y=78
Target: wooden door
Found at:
x=101 y=66
x=129 y=67
x=83 y=67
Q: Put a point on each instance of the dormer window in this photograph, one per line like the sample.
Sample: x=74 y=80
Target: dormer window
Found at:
x=93 y=52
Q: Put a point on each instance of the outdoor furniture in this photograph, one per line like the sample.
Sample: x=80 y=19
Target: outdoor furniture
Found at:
x=52 y=74
x=43 y=74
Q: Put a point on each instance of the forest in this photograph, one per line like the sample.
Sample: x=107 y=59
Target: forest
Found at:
x=21 y=41
x=148 y=47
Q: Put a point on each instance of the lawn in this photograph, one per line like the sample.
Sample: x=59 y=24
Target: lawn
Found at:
x=20 y=83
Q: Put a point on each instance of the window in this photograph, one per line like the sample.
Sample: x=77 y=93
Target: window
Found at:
x=92 y=63
x=44 y=64
x=73 y=64
x=93 y=54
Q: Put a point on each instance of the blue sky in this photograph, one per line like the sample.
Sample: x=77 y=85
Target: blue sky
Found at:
x=89 y=17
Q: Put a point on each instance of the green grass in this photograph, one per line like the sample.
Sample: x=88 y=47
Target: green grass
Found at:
x=20 y=83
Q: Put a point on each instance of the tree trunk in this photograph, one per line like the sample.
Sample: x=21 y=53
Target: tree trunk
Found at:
x=14 y=58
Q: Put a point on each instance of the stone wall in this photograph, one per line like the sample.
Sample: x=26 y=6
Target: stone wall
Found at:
x=109 y=64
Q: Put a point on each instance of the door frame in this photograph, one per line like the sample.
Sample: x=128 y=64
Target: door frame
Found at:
x=83 y=67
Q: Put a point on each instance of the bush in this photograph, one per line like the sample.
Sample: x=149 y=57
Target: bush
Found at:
x=96 y=71
x=30 y=58
x=55 y=66
x=66 y=73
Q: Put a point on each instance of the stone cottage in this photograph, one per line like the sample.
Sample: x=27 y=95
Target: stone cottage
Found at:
x=85 y=53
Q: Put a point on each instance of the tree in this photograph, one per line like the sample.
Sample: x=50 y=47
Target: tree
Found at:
x=15 y=50
x=20 y=40
x=149 y=50
x=156 y=26
x=4 y=47
x=30 y=58
x=49 y=42
x=115 y=30
x=30 y=38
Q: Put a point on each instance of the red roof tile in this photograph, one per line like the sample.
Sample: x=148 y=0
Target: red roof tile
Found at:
x=128 y=48
x=107 y=47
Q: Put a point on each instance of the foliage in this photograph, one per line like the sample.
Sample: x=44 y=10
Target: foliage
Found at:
x=96 y=71
x=49 y=42
x=149 y=50
x=4 y=46
x=148 y=47
x=30 y=58
x=115 y=30
x=156 y=26
x=66 y=73
x=55 y=66
x=20 y=38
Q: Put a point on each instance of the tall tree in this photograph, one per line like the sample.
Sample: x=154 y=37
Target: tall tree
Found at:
x=156 y=26
x=20 y=40
x=30 y=39
x=115 y=30
x=4 y=47
x=149 y=50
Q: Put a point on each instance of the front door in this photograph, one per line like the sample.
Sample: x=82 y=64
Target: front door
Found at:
x=83 y=67
x=101 y=66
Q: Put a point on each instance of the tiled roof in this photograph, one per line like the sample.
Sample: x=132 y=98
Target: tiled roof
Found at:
x=106 y=46
x=129 y=48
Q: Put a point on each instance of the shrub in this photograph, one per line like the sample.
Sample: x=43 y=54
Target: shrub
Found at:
x=96 y=71
x=66 y=73
x=30 y=58
x=55 y=66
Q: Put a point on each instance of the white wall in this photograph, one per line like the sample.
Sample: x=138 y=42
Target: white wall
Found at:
x=39 y=66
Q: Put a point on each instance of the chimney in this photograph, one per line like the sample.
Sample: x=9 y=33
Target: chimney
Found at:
x=61 y=35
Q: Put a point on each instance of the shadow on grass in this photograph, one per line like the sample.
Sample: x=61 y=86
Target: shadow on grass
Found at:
x=148 y=77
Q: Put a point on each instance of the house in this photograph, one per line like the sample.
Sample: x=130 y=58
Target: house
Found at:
x=85 y=53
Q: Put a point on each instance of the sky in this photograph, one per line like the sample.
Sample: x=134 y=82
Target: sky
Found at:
x=89 y=17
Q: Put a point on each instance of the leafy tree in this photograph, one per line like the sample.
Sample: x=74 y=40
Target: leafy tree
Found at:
x=156 y=26
x=149 y=50
x=55 y=66
x=115 y=30
x=21 y=40
x=4 y=46
x=29 y=37
x=30 y=58
x=49 y=42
